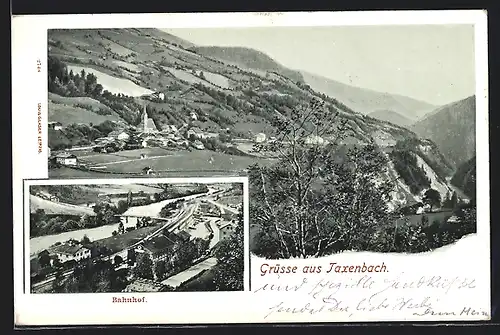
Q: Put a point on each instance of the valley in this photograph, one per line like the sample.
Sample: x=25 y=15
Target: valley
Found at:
x=142 y=102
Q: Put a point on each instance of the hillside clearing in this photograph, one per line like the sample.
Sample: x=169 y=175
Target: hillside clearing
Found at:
x=217 y=79
x=56 y=208
x=128 y=66
x=69 y=114
x=187 y=76
x=113 y=84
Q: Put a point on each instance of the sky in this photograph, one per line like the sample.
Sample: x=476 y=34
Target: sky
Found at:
x=432 y=63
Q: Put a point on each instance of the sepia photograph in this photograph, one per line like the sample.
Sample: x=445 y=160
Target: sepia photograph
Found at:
x=154 y=237
x=332 y=166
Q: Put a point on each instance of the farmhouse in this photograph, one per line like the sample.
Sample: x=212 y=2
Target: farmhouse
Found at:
x=158 y=96
x=314 y=140
x=198 y=145
x=423 y=209
x=260 y=137
x=70 y=252
x=66 y=158
x=169 y=129
x=209 y=135
x=123 y=136
x=54 y=125
x=196 y=132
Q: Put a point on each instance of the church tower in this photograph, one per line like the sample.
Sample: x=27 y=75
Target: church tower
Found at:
x=145 y=120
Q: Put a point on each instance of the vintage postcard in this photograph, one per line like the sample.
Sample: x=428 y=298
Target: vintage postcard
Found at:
x=251 y=167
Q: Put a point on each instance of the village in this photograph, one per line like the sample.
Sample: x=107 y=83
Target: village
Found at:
x=160 y=246
x=146 y=135
x=139 y=143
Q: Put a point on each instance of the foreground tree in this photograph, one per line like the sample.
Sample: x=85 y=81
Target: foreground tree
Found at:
x=144 y=268
x=432 y=198
x=321 y=196
x=230 y=262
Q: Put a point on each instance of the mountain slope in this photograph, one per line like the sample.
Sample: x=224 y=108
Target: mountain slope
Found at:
x=453 y=128
x=368 y=101
x=57 y=208
x=465 y=177
x=390 y=116
x=223 y=97
x=248 y=58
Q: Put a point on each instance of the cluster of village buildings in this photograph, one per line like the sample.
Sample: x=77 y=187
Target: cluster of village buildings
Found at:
x=148 y=135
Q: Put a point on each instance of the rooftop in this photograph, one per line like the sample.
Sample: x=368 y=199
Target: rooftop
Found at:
x=67 y=249
x=65 y=155
x=196 y=130
x=184 y=235
x=159 y=243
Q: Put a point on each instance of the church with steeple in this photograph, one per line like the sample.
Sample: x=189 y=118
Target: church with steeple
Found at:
x=147 y=125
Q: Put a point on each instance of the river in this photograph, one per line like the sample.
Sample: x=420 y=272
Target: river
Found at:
x=40 y=243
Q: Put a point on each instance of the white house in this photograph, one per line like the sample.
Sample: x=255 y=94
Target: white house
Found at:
x=71 y=251
x=209 y=135
x=66 y=158
x=198 y=145
x=169 y=129
x=193 y=116
x=423 y=209
x=260 y=137
x=123 y=136
x=55 y=125
x=196 y=132
x=158 y=95
x=314 y=140
x=453 y=219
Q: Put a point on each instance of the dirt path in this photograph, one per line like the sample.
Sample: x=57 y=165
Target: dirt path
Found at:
x=128 y=161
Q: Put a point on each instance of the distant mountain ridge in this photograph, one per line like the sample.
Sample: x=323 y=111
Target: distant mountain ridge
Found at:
x=362 y=100
x=249 y=58
x=222 y=97
x=392 y=117
x=453 y=128
x=367 y=101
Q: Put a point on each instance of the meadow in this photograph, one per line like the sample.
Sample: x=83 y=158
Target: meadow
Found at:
x=113 y=84
x=165 y=163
